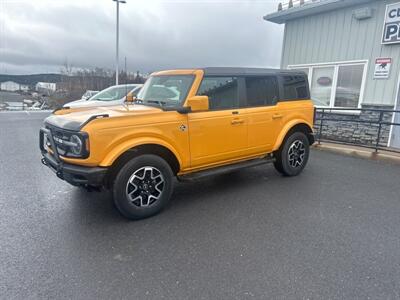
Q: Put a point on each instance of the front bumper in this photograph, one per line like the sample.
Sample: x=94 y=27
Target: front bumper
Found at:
x=73 y=174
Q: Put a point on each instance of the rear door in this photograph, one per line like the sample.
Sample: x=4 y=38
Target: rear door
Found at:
x=264 y=116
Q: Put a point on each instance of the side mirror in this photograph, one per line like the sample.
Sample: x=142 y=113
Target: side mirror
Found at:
x=198 y=103
x=130 y=98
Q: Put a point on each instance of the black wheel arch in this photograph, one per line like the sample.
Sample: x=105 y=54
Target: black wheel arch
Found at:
x=154 y=149
x=304 y=128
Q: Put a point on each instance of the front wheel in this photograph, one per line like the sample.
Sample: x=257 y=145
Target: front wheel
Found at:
x=143 y=187
x=292 y=156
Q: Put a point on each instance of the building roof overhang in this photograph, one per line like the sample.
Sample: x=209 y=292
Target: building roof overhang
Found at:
x=310 y=8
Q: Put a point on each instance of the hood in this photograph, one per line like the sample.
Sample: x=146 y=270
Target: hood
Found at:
x=76 y=118
x=92 y=103
x=75 y=103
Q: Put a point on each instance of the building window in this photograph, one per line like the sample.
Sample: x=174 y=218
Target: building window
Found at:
x=305 y=70
x=348 y=85
x=321 y=85
x=335 y=85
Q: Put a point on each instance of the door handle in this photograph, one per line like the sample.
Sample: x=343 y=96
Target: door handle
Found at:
x=237 y=121
x=277 y=116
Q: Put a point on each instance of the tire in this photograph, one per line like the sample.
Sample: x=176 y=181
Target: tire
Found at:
x=292 y=156
x=143 y=187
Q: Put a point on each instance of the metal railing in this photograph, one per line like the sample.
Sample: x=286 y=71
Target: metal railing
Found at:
x=296 y=3
x=339 y=116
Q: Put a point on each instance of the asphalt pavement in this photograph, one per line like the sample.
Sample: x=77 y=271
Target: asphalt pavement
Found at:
x=331 y=233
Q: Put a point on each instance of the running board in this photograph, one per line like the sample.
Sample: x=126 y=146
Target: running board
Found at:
x=226 y=169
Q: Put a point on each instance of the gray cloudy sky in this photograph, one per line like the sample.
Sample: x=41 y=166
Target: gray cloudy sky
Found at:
x=40 y=35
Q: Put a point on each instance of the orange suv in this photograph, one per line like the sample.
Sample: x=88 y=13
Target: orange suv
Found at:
x=185 y=124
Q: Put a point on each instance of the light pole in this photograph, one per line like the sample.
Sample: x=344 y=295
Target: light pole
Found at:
x=117 y=42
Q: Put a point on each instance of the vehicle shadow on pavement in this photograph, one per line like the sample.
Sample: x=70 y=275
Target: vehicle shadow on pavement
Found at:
x=93 y=207
x=236 y=182
x=98 y=207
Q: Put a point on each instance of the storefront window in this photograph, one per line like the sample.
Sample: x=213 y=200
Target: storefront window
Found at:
x=321 y=85
x=349 y=85
x=344 y=79
x=305 y=70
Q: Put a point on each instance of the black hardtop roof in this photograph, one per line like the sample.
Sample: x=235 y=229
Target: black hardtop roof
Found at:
x=239 y=71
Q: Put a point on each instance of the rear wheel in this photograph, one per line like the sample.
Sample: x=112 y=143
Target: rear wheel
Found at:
x=143 y=187
x=293 y=155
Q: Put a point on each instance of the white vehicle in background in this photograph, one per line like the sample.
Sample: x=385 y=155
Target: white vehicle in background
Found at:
x=113 y=95
x=89 y=94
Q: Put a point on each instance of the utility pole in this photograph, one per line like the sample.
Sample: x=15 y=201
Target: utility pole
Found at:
x=126 y=73
x=117 y=42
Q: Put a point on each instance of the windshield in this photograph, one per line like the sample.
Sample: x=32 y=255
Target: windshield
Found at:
x=113 y=93
x=165 y=90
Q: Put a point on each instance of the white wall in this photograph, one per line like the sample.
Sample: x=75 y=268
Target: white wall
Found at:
x=46 y=86
x=12 y=86
x=337 y=36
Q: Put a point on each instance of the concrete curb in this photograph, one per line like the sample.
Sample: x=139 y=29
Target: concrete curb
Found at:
x=359 y=152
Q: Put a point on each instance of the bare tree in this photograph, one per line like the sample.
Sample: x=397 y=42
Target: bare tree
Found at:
x=76 y=81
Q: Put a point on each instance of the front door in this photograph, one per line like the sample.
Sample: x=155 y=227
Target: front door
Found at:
x=219 y=134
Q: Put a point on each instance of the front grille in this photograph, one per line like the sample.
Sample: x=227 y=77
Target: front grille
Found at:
x=58 y=136
x=62 y=142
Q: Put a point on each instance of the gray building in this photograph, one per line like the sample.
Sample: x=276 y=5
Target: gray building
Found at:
x=350 y=50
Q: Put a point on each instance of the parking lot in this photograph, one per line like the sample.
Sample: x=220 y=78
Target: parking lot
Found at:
x=331 y=233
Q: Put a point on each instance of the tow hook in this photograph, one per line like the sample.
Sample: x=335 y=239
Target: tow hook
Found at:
x=59 y=174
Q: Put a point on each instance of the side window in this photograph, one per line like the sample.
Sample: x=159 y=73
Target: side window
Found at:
x=261 y=91
x=295 y=87
x=222 y=92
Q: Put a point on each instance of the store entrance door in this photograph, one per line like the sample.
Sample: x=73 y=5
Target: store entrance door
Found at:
x=395 y=130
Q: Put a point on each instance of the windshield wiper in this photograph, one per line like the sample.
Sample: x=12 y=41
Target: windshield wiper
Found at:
x=139 y=101
x=159 y=102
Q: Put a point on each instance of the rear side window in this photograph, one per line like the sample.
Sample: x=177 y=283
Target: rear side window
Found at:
x=261 y=91
x=222 y=92
x=295 y=87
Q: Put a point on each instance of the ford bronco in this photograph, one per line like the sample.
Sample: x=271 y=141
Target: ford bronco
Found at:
x=185 y=124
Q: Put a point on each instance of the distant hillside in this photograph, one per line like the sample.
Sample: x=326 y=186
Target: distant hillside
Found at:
x=31 y=79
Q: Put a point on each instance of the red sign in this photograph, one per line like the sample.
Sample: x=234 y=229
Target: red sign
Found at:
x=383 y=61
x=382 y=67
x=324 y=81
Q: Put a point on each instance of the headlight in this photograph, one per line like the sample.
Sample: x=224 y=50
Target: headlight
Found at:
x=71 y=144
x=76 y=144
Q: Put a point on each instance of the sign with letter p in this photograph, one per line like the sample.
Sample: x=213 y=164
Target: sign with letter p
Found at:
x=391 y=27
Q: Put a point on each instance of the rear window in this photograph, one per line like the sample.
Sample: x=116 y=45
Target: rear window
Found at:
x=261 y=91
x=295 y=87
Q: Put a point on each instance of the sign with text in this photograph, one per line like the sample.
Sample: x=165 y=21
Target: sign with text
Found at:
x=382 y=68
x=391 y=27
